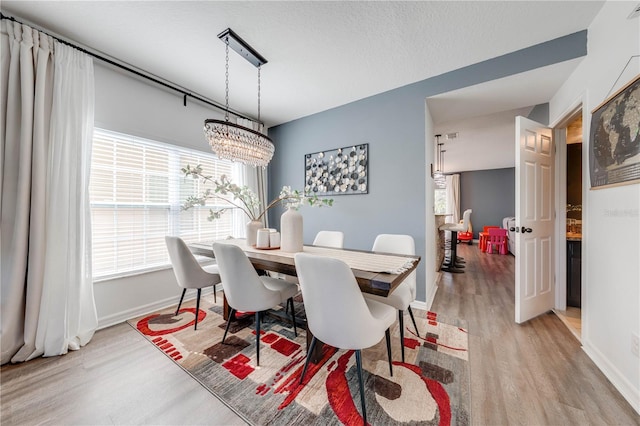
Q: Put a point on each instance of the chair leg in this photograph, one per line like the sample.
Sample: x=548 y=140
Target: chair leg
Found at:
x=359 y=365
x=184 y=290
x=387 y=335
x=306 y=363
x=215 y=299
x=293 y=316
x=453 y=265
x=258 y=338
x=195 y=327
x=413 y=319
x=232 y=313
x=401 y=323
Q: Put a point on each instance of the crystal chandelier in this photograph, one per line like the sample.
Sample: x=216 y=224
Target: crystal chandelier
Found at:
x=232 y=141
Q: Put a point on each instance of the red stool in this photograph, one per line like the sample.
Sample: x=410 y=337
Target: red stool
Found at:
x=497 y=237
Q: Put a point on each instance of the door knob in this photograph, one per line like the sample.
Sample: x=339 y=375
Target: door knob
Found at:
x=516 y=229
x=525 y=230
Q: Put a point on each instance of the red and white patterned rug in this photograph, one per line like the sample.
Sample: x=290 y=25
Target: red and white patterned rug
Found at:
x=430 y=387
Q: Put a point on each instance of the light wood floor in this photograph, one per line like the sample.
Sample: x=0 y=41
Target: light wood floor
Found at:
x=572 y=318
x=534 y=373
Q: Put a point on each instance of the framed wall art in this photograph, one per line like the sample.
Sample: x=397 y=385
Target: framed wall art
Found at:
x=339 y=171
x=615 y=139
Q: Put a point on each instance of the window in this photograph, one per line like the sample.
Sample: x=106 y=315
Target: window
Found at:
x=137 y=189
x=440 y=200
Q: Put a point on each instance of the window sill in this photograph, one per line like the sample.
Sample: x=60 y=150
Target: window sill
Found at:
x=201 y=260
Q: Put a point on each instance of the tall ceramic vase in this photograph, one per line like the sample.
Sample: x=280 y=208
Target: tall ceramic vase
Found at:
x=291 y=231
x=252 y=231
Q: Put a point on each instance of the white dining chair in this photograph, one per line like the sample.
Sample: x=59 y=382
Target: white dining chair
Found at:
x=338 y=314
x=405 y=293
x=246 y=291
x=333 y=239
x=189 y=273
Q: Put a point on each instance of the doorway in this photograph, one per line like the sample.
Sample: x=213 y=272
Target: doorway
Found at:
x=569 y=137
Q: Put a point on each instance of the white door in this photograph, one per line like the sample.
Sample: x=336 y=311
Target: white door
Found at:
x=535 y=216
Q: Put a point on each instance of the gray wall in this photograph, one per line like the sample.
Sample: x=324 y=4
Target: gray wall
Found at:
x=540 y=113
x=491 y=194
x=393 y=124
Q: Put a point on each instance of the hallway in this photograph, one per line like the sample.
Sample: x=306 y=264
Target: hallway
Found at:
x=534 y=373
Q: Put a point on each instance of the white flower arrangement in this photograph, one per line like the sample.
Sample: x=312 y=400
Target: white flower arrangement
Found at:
x=243 y=198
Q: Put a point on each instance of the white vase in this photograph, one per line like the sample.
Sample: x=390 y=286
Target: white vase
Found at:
x=252 y=231
x=291 y=231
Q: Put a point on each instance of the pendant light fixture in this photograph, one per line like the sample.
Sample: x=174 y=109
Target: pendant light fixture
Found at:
x=438 y=175
x=232 y=141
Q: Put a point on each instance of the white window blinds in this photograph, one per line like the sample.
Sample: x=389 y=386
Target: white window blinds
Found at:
x=137 y=189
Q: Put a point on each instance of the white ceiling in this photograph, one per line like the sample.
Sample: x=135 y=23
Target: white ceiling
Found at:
x=484 y=116
x=321 y=54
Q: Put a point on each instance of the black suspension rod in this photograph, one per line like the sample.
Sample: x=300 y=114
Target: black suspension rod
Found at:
x=186 y=93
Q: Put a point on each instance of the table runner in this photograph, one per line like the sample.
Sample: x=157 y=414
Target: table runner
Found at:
x=365 y=261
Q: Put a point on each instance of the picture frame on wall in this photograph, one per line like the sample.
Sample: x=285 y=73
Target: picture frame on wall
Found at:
x=339 y=171
x=615 y=139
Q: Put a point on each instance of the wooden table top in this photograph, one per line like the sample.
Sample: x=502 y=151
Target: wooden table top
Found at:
x=380 y=283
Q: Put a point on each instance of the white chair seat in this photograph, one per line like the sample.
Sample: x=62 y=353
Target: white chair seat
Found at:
x=400 y=299
x=385 y=315
x=456 y=227
x=284 y=288
x=212 y=269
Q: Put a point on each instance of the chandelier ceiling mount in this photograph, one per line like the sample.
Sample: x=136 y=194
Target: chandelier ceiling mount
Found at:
x=232 y=141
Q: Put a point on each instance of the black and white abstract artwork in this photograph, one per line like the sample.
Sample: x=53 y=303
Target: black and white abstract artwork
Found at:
x=340 y=171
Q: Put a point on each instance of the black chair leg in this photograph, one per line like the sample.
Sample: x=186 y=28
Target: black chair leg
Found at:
x=453 y=266
x=232 y=313
x=387 y=335
x=184 y=290
x=195 y=327
x=413 y=319
x=258 y=338
x=215 y=299
x=401 y=323
x=293 y=316
x=359 y=365
x=306 y=363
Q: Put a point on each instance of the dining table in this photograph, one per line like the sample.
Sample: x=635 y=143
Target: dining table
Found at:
x=375 y=272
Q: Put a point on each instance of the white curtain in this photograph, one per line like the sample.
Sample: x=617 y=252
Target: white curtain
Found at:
x=453 y=198
x=255 y=177
x=45 y=149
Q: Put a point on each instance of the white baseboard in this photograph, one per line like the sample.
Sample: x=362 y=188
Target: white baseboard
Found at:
x=122 y=316
x=431 y=297
x=426 y=305
x=619 y=381
x=419 y=305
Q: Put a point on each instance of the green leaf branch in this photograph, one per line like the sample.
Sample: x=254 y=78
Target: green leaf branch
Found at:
x=242 y=197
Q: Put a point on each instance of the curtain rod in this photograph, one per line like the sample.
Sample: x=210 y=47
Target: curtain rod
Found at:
x=185 y=93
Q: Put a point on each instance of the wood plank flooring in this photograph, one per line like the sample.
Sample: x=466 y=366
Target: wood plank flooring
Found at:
x=117 y=379
x=533 y=374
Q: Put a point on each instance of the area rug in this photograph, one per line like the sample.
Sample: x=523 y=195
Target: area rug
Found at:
x=431 y=387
